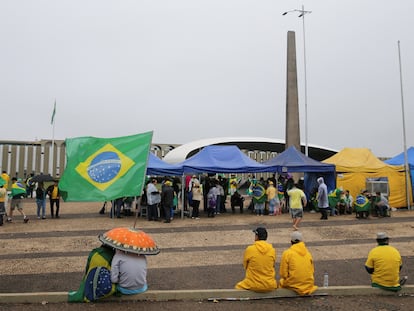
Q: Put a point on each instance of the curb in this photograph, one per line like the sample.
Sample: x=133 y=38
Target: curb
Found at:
x=205 y=294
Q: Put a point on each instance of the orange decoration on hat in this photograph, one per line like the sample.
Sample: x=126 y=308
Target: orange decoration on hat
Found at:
x=130 y=240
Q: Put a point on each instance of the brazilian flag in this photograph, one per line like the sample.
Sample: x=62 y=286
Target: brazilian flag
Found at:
x=103 y=169
x=18 y=189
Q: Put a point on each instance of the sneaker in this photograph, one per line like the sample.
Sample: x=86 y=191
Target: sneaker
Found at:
x=26 y=220
x=9 y=220
x=43 y=217
x=38 y=217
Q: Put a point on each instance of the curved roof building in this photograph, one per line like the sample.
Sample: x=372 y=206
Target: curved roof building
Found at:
x=258 y=144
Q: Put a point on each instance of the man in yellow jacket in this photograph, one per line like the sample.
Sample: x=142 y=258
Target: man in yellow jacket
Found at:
x=296 y=267
x=259 y=262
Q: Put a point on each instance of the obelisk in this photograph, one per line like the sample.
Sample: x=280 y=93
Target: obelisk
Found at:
x=292 y=134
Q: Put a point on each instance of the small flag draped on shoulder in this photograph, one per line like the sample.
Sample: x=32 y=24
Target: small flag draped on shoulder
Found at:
x=18 y=189
x=104 y=169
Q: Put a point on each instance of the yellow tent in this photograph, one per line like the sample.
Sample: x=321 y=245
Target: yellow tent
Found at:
x=355 y=165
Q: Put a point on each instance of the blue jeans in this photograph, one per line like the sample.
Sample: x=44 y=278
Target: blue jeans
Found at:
x=41 y=205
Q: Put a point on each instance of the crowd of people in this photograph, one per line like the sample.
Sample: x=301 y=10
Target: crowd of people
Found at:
x=16 y=189
x=162 y=197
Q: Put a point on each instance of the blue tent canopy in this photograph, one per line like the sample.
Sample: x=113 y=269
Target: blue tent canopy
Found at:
x=158 y=167
x=291 y=160
x=222 y=159
x=400 y=160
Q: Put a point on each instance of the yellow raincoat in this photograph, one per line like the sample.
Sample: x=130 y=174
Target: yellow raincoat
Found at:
x=259 y=262
x=296 y=270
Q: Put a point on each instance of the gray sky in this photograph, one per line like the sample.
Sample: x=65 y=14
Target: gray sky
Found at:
x=190 y=69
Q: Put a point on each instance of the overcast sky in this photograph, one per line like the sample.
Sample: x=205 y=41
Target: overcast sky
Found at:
x=190 y=69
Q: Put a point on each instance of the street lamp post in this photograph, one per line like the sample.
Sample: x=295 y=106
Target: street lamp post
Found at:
x=302 y=14
x=406 y=165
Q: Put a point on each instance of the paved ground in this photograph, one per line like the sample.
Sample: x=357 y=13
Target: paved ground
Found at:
x=49 y=255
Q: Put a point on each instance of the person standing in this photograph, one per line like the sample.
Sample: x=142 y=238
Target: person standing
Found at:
x=349 y=201
x=41 y=200
x=6 y=179
x=212 y=200
x=297 y=200
x=273 y=199
x=30 y=185
x=3 y=195
x=54 y=196
x=258 y=193
x=259 y=263
x=6 y=186
x=18 y=192
x=296 y=267
x=197 y=197
x=384 y=264
x=153 y=199
x=167 y=198
x=323 y=203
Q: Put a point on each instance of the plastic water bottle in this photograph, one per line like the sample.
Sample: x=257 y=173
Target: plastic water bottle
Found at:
x=325 y=280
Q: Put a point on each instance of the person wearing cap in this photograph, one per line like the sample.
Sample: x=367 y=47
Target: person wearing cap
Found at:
x=296 y=267
x=167 y=198
x=297 y=200
x=259 y=263
x=384 y=264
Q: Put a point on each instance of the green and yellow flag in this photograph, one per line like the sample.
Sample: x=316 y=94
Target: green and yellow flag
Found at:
x=103 y=169
x=18 y=189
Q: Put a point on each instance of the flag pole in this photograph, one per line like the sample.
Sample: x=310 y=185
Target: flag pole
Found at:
x=53 y=139
x=406 y=165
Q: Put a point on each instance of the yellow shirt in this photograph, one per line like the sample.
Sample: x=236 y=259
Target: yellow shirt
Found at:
x=271 y=192
x=295 y=197
x=6 y=179
x=3 y=194
x=386 y=262
x=55 y=192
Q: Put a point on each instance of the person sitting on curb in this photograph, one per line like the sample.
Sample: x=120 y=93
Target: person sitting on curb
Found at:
x=259 y=262
x=384 y=264
x=296 y=267
x=129 y=273
x=96 y=282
